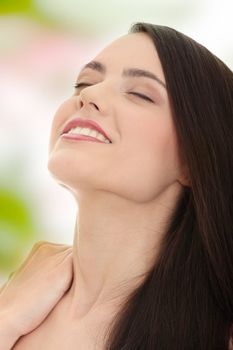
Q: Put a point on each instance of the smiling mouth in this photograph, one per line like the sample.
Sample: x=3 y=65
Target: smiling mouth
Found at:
x=89 y=133
x=80 y=137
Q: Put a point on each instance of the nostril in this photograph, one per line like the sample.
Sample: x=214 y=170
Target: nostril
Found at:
x=91 y=103
x=96 y=107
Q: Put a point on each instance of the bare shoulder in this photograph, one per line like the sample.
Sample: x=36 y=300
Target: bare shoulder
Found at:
x=3 y=285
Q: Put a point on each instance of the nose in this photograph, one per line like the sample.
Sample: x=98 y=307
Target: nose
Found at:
x=94 y=98
x=82 y=103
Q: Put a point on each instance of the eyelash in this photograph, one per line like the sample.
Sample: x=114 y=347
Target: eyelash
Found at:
x=144 y=97
x=78 y=85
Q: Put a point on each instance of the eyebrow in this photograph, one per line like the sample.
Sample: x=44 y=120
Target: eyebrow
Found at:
x=130 y=72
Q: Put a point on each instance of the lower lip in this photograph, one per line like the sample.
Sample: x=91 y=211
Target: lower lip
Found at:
x=80 y=137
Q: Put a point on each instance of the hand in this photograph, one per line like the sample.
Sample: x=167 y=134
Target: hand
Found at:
x=35 y=288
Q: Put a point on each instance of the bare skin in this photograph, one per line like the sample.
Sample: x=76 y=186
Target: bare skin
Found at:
x=125 y=191
x=33 y=290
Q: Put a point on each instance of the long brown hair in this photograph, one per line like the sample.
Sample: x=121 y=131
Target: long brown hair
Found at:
x=186 y=300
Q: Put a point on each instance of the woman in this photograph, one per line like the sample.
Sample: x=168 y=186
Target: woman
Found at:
x=153 y=243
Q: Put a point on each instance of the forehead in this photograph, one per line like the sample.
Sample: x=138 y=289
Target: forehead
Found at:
x=132 y=50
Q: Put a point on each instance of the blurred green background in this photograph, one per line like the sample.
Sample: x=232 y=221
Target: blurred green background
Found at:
x=43 y=44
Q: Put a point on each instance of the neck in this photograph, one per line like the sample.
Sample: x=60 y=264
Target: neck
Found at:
x=116 y=242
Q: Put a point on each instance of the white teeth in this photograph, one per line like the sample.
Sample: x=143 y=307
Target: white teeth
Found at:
x=74 y=130
x=92 y=132
x=88 y=132
x=101 y=137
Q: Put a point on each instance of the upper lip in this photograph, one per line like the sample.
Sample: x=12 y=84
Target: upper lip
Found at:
x=84 y=123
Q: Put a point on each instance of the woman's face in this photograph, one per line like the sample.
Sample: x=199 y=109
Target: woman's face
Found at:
x=126 y=95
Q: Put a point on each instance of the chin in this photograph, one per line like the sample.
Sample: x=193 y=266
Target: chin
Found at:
x=66 y=175
x=59 y=170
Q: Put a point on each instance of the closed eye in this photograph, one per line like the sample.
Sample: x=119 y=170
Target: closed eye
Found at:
x=79 y=85
x=144 y=97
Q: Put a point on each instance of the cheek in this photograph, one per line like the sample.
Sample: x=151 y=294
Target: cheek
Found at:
x=155 y=141
x=164 y=151
x=63 y=113
x=147 y=164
